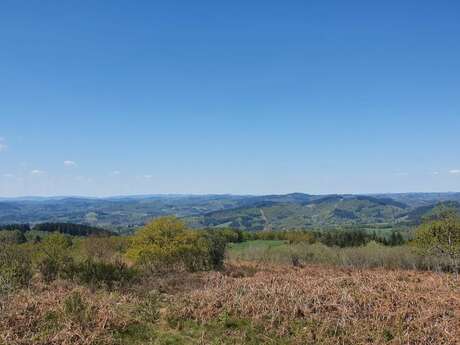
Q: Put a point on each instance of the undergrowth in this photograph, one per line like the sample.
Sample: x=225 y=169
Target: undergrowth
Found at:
x=243 y=304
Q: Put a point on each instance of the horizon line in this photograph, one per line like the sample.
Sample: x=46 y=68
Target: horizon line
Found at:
x=69 y=196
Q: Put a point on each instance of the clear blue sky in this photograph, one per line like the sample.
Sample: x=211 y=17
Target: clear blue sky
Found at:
x=129 y=97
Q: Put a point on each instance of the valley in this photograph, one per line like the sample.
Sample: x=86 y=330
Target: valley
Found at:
x=245 y=212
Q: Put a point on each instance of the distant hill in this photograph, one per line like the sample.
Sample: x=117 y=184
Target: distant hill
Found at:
x=252 y=212
x=421 y=199
x=431 y=211
x=329 y=211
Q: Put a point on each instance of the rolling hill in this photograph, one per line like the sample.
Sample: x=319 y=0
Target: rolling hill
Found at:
x=329 y=211
x=277 y=212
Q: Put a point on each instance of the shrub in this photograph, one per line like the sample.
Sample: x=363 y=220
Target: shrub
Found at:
x=104 y=274
x=149 y=307
x=12 y=237
x=299 y=236
x=103 y=248
x=54 y=259
x=166 y=245
x=372 y=254
x=441 y=238
x=217 y=248
x=15 y=267
x=76 y=309
x=230 y=235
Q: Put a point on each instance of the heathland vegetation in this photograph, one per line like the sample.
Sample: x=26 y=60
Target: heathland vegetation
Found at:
x=171 y=284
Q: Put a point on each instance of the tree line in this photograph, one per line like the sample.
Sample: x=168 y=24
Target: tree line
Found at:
x=167 y=245
x=63 y=228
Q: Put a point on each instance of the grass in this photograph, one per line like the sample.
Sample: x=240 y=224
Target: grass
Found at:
x=261 y=251
x=269 y=292
x=372 y=255
x=255 y=245
x=246 y=303
x=334 y=306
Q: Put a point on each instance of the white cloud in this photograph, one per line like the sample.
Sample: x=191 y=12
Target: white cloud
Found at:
x=115 y=173
x=148 y=176
x=70 y=163
x=435 y=172
x=455 y=171
x=9 y=175
x=37 y=172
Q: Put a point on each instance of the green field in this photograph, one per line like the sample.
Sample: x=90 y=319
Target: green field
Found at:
x=370 y=255
x=257 y=244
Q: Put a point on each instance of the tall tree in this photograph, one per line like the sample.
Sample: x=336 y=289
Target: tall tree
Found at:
x=441 y=237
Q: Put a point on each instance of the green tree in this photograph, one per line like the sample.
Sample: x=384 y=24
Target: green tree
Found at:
x=441 y=237
x=166 y=244
x=54 y=257
x=299 y=237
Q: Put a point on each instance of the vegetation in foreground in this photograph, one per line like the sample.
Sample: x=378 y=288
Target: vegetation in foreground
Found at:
x=244 y=304
x=170 y=285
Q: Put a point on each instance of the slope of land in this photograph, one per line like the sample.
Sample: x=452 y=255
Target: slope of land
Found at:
x=244 y=304
x=248 y=212
x=327 y=211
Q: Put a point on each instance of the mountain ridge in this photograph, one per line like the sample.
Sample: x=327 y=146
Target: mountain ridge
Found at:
x=281 y=211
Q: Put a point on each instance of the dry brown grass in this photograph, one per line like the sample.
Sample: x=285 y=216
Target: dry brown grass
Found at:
x=318 y=305
x=277 y=304
x=39 y=316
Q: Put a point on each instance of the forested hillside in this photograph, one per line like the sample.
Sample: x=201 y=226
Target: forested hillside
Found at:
x=267 y=212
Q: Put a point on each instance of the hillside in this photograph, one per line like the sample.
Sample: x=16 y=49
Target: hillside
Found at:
x=244 y=304
x=327 y=211
x=110 y=212
x=296 y=210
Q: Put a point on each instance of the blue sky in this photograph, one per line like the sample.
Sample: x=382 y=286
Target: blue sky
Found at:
x=138 y=97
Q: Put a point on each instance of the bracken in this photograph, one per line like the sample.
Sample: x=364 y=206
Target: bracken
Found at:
x=40 y=317
x=336 y=306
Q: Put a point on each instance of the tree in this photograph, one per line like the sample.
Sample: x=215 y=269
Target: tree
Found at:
x=441 y=237
x=106 y=249
x=396 y=239
x=299 y=237
x=54 y=257
x=166 y=244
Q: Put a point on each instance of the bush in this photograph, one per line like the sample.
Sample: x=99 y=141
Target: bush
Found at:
x=52 y=269
x=12 y=237
x=104 y=274
x=299 y=237
x=441 y=238
x=167 y=245
x=54 y=259
x=76 y=309
x=230 y=235
x=149 y=307
x=217 y=246
x=371 y=255
x=15 y=267
x=103 y=248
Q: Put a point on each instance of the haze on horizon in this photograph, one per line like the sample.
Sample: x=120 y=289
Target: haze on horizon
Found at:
x=205 y=97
